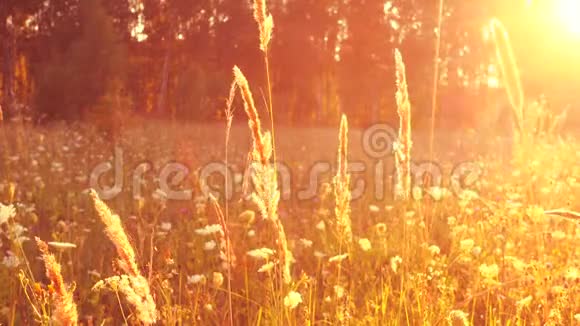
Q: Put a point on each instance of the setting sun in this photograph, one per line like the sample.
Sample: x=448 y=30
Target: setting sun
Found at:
x=568 y=13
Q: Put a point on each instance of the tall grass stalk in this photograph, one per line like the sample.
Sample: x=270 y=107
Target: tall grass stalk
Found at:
x=266 y=27
x=342 y=195
x=342 y=187
x=229 y=113
x=266 y=194
x=404 y=144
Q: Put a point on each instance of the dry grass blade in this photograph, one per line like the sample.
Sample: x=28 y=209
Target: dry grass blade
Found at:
x=564 y=213
x=65 y=308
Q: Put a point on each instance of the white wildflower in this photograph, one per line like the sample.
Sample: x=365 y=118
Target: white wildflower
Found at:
x=489 y=272
x=16 y=232
x=395 y=263
x=262 y=253
x=292 y=300
x=306 y=243
x=319 y=254
x=11 y=260
x=466 y=245
x=364 y=244
x=6 y=212
x=266 y=267
x=434 y=250
x=209 y=245
x=209 y=229
x=337 y=258
x=195 y=279
x=165 y=226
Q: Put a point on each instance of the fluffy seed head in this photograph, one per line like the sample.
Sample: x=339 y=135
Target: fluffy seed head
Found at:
x=403 y=151
x=254 y=119
x=114 y=230
x=342 y=186
x=265 y=23
x=133 y=285
x=65 y=308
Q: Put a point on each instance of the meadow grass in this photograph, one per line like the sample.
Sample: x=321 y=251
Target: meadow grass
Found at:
x=501 y=250
x=490 y=253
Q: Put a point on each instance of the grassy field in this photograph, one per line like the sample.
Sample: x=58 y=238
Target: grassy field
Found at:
x=484 y=253
x=141 y=227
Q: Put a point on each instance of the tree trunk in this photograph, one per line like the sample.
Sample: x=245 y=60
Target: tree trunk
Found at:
x=163 y=89
x=8 y=44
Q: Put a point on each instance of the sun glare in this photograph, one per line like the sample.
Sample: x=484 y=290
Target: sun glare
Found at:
x=568 y=12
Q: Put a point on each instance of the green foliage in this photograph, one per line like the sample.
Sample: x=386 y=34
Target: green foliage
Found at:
x=75 y=79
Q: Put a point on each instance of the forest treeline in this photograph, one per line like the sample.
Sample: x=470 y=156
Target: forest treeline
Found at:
x=71 y=59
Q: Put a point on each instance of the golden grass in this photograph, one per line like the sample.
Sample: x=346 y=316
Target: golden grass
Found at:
x=342 y=187
x=132 y=284
x=260 y=150
x=266 y=194
x=265 y=23
x=502 y=240
x=265 y=28
x=65 y=309
x=506 y=261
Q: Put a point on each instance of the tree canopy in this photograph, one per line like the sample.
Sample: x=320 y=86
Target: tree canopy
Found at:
x=62 y=59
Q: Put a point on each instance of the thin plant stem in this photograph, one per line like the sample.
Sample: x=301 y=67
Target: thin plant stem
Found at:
x=229 y=119
x=121 y=307
x=270 y=108
x=435 y=80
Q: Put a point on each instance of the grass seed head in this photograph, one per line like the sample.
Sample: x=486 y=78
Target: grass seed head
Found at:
x=403 y=150
x=65 y=308
x=265 y=23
